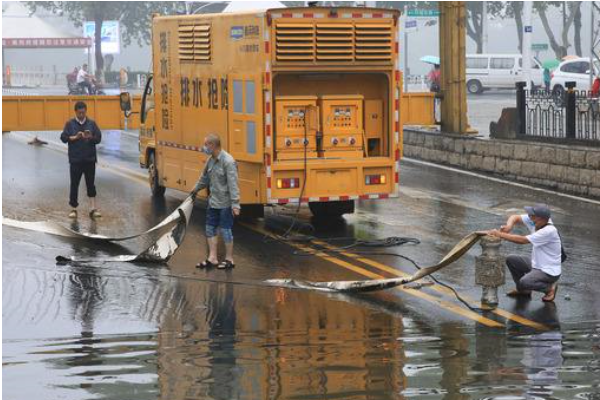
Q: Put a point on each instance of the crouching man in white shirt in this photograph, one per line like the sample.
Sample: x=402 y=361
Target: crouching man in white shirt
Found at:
x=542 y=271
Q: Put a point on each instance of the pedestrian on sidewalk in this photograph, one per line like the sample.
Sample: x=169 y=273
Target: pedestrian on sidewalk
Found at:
x=220 y=177
x=542 y=271
x=547 y=79
x=82 y=135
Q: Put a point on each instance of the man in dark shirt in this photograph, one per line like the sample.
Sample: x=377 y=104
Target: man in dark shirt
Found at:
x=82 y=135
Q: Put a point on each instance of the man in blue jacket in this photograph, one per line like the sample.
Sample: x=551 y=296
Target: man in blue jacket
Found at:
x=82 y=135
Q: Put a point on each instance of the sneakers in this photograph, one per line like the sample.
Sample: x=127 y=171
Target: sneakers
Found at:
x=95 y=214
x=73 y=214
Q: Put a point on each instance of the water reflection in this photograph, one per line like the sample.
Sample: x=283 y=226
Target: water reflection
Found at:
x=276 y=344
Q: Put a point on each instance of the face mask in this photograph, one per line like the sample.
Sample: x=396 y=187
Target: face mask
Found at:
x=206 y=150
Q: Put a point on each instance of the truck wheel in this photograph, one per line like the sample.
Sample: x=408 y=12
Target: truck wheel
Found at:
x=252 y=211
x=474 y=86
x=331 y=209
x=155 y=187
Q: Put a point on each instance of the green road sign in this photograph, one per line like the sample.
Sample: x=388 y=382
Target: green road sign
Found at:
x=423 y=13
x=539 y=46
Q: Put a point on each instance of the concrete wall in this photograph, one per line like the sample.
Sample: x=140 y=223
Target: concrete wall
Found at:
x=565 y=168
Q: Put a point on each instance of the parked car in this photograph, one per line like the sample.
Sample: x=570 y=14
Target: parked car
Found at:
x=503 y=71
x=573 y=70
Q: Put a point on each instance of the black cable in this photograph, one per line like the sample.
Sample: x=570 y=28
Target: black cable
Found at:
x=286 y=234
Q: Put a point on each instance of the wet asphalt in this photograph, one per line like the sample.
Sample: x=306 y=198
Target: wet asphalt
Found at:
x=144 y=331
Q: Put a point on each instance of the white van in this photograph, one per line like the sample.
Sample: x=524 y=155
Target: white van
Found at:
x=503 y=71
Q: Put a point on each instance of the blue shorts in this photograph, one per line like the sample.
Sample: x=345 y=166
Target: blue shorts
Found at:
x=221 y=218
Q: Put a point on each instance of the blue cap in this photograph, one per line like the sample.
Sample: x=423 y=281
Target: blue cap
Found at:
x=539 y=210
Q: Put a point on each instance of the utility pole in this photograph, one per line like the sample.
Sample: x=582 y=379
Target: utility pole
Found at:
x=527 y=33
x=405 y=49
x=484 y=27
x=452 y=58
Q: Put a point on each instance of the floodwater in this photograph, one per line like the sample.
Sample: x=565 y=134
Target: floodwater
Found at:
x=144 y=331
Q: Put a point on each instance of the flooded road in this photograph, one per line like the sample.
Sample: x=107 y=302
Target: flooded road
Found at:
x=144 y=331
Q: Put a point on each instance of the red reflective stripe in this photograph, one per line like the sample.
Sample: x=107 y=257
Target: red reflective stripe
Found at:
x=397 y=104
x=397 y=155
x=364 y=197
x=308 y=15
x=269 y=182
x=396 y=177
x=304 y=200
x=268 y=78
x=397 y=73
x=344 y=198
x=283 y=201
x=378 y=15
x=396 y=47
x=268 y=107
x=268 y=130
x=384 y=196
x=323 y=198
x=267 y=47
x=356 y=15
x=268 y=159
x=287 y=15
x=397 y=126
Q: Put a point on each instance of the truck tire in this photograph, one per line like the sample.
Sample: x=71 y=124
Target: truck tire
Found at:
x=155 y=187
x=474 y=86
x=331 y=209
x=252 y=211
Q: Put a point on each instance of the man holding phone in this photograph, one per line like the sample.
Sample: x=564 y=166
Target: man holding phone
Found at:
x=82 y=135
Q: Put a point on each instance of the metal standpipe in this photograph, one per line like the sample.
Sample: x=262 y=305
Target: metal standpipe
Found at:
x=489 y=270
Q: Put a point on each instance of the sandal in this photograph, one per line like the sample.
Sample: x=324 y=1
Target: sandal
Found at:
x=226 y=265
x=551 y=295
x=516 y=293
x=206 y=264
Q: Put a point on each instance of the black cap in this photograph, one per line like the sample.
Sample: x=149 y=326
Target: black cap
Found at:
x=539 y=210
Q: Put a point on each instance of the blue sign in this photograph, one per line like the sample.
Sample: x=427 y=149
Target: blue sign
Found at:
x=528 y=29
x=236 y=32
x=410 y=24
x=111 y=39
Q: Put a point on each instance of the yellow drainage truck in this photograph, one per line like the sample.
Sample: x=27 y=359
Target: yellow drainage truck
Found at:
x=307 y=100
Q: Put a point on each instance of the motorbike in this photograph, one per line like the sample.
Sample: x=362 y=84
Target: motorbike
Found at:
x=76 y=90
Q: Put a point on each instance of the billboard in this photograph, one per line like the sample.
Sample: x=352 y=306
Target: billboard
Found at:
x=111 y=39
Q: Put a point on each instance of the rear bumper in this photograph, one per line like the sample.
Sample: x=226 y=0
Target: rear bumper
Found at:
x=332 y=180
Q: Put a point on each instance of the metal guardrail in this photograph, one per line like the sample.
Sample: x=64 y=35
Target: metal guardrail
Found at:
x=568 y=116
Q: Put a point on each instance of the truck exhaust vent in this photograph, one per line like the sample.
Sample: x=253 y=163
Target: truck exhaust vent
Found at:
x=310 y=42
x=194 y=42
x=335 y=42
x=373 y=42
x=295 y=42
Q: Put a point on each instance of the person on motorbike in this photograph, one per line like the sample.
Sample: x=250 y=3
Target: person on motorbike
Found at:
x=72 y=77
x=84 y=79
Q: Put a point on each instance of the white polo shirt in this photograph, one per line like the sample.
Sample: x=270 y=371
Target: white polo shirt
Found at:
x=82 y=76
x=546 y=251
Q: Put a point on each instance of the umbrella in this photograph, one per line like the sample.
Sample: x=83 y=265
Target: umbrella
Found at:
x=431 y=60
x=569 y=57
x=550 y=64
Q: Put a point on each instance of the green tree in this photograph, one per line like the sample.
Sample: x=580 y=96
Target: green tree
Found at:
x=134 y=17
